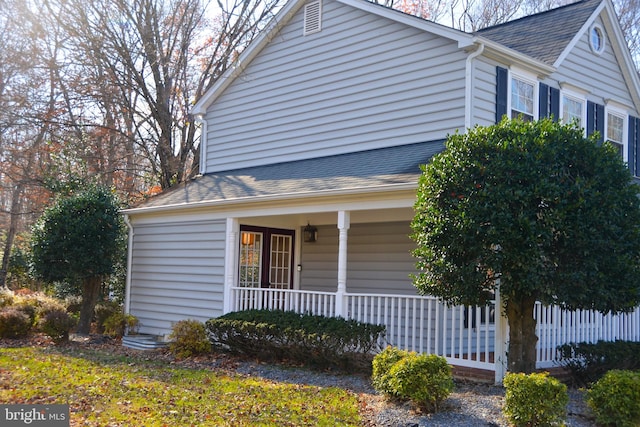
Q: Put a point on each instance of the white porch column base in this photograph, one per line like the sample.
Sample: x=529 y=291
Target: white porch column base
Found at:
x=501 y=339
x=230 y=264
x=344 y=222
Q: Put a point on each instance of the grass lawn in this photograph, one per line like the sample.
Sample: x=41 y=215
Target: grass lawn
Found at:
x=103 y=389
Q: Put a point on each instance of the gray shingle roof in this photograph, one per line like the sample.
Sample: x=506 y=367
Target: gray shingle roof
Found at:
x=385 y=166
x=543 y=36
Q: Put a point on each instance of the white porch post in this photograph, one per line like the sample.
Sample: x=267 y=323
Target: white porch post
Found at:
x=501 y=339
x=344 y=222
x=230 y=264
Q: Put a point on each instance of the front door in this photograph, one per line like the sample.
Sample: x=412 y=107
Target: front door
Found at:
x=266 y=257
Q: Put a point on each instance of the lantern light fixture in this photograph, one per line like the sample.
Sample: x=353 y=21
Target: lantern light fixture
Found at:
x=310 y=233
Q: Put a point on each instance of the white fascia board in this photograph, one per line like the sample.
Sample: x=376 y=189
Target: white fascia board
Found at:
x=275 y=25
x=500 y=52
x=273 y=198
x=463 y=39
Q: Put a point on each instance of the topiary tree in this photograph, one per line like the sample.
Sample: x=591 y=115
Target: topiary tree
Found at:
x=551 y=214
x=77 y=240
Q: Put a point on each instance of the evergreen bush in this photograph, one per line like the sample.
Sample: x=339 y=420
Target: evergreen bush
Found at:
x=588 y=362
x=615 y=399
x=118 y=323
x=534 y=400
x=424 y=379
x=381 y=367
x=189 y=338
x=315 y=341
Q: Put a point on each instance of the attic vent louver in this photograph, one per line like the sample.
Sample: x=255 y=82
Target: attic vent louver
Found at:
x=312 y=15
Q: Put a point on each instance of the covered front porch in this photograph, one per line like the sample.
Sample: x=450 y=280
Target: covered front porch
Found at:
x=376 y=251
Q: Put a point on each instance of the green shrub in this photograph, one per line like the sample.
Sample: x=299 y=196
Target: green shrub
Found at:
x=189 y=338
x=382 y=363
x=104 y=310
x=6 y=297
x=57 y=324
x=534 y=400
x=615 y=399
x=118 y=323
x=14 y=323
x=588 y=362
x=425 y=379
x=315 y=341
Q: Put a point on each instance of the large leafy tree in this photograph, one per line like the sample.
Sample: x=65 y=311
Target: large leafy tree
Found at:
x=536 y=209
x=78 y=240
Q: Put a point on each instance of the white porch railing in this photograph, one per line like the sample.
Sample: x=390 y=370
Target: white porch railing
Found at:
x=465 y=336
x=556 y=327
x=415 y=323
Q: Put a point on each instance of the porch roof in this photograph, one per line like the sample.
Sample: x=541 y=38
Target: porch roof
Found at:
x=353 y=171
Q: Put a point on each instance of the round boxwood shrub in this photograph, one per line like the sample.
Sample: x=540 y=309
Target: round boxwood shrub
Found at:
x=425 y=379
x=615 y=399
x=189 y=338
x=381 y=367
x=535 y=400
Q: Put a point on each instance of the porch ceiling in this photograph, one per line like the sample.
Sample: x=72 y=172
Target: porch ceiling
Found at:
x=362 y=170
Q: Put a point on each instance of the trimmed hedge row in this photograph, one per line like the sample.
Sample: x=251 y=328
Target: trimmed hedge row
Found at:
x=588 y=362
x=315 y=341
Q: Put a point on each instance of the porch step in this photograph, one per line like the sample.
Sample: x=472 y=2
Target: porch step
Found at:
x=143 y=342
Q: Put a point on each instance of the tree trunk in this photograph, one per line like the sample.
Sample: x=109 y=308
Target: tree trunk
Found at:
x=90 y=291
x=522 y=335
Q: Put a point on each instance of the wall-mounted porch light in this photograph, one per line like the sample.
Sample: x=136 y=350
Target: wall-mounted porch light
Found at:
x=310 y=233
x=248 y=239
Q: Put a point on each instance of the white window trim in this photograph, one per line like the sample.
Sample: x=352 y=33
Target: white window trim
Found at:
x=576 y=96
x=526 y=77
x=616 y=111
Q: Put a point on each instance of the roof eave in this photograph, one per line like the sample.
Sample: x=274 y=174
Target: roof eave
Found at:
x=463 y=39
x=411 y=186
x=274 y=26
x=502 y=53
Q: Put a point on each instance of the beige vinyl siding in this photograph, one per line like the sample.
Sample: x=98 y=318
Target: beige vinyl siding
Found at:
x=378 y=258
x=363 y=82
x=177 y=273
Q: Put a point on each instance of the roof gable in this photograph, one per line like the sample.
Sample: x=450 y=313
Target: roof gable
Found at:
x=288 y=12
x=544 y=36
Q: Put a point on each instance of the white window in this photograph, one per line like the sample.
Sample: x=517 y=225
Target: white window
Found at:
x=523 y=99
x=573 y=105
x=572 y=110
x=615 y=128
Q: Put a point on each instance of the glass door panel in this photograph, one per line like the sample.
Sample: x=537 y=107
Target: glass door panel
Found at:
x=250 y=259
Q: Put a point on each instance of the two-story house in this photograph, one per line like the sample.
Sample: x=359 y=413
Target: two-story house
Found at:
x=310 y=159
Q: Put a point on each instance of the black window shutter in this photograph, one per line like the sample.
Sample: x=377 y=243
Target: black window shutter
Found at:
x=554 y=103
x=591 y=118
x=634 y=145
x=543 y=100
x=600 y=120
x=502 y=92
x=595 y=119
